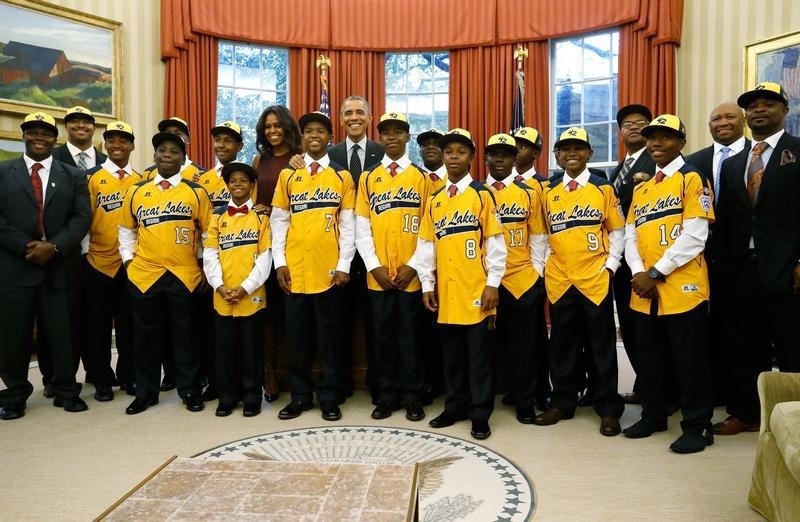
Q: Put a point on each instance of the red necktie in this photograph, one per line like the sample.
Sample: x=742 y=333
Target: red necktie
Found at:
x=237 y=210
x=498 y=185
x=518 y=178
x=434 y=177
x=572 y=185
x=314 y=168
x=660 y=176
x=452 y=190
x=165 y=185
x=393 y=168
x=36 y=181
x=121 y=173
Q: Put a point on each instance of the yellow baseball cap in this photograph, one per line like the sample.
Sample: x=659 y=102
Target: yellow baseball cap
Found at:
x=573 y=134
x=770 y=90
x=457 y=135
x=39 y=119
x=665 y=122
x=163 y=124
x=528 y=134
x=228 y=127
x=393 y=117
x=118 y=127
x=502 y=141
x=78 y=111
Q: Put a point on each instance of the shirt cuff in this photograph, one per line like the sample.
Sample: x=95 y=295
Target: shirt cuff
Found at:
x=637 y=267
x=215 y=282
x=371 y=263
x=665 y=266
x=427 y=286
x=279 y=260
x=249 y=286
x=493 y=280
x=612 y=264
x=342 y=266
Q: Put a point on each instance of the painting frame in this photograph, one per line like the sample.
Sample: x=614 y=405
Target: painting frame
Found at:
x=76 y=19
x=770 y=60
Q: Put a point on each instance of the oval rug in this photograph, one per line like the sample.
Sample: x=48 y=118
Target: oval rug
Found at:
x=459 y=480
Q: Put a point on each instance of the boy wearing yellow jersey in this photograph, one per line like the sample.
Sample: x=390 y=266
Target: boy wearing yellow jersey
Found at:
x=313 y=243
x=189 y=169
x=587 y=238
x=461 y=240
x=236 y=260
x=529 y=148
x=389 y=205
x=665 y=236
x=520 y=314
x=160 y=224
x=106 y=278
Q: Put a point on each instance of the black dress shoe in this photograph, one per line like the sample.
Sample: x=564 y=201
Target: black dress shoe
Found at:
x=12 y=412
x=526 y=415
x=223 y=410
x=210 y=393
x=139 y=405
x=168 y=383
x=72 y=404
x=48 y=392
x=643 y=428
x=103 y=393
x=271 y=397
x=251 y=409
x=480 y=429
x=446 y=418
x=609 y=426
x=130 y=388
x=193 y=402
x=294 y=409
x=383 y=410
x=693 y=442
x=414 y=411
x=330 y=411
x=550 y=417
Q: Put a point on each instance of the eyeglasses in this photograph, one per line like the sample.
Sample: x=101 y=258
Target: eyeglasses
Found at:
x=631 y=124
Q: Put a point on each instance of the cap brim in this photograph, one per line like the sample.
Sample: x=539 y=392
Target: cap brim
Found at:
x=506 y=146
x=163 y=124
x=110 y=133
x=40 y=124
x=79 y=115
x=745 y=99
x=427 y=135
x=230 y=168
x=650 y=129
x=561 y=143
x=633 y=108
x=161 y=137
x=226 y=130
x=404 y=124
x=458 y=138
x=526 y=140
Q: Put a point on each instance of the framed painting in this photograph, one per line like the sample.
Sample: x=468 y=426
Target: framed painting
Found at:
x=53 y=58
x=777 y=59
x=11 y=145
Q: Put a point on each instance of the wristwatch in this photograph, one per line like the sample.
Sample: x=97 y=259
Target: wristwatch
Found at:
x=653 y=273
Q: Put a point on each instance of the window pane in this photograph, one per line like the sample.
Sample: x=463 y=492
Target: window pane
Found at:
x=595 y=101
x=615 y=52
x=440 y=120
x=568 y=104
x=614 y=141
x=419 y=122
x=225 y=54
x=597 y=56
x=224 y=104
x=396 y=102
x=225 y=74
x=395 y=73
x=598 y=137
x=568 y=61
x=248 y=105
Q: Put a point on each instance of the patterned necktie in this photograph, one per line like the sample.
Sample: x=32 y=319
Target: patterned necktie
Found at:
x=314 y=168
x=498 y=185
x=38 y=195
x=755 y=171
x=393 y=166
x=355 y=160
x=623 y=173
x=660 y=176
x=452 y=190
x=237 y=210
x=165 y=184
x=572 y=185
x=121 y=173
x=82 y=160
x=724 y=153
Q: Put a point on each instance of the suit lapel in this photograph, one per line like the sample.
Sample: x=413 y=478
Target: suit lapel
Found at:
x=20 y=173
x=738 y=166
x=57 y=178
x=772 y=165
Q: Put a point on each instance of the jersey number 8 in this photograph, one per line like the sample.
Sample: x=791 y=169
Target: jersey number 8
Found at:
x=471 y=248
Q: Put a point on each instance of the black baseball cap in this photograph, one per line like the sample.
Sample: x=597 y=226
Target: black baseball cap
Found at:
x=161 y=137
x=633 y=108
x=319 y=117
x=234 y=166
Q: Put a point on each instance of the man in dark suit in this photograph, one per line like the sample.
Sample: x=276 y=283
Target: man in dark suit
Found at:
x=726 y=125
x=44 y=214
x=631 y=119
x=79 y=151
x=758 y=229
x=356 y=153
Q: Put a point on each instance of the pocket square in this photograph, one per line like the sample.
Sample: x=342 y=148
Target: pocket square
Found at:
x=787 y=157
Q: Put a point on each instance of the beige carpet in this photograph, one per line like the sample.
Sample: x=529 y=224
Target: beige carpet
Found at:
x=64 y=466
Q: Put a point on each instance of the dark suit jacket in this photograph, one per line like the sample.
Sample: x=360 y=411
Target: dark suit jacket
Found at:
x=703 y=159
x=773 y=222
x=61 y=153
x=67 y=216
x=374 y=154
x=644 y=164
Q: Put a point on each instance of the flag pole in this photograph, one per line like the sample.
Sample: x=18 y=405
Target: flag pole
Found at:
x=323 y=64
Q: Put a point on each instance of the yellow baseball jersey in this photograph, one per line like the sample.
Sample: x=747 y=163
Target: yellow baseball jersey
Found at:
x=658 y=211
x=437 y=182
x=312 y=241
x=212 y=182
x=459 y=227
x=169 y=225
x=519 y=207
x=394 y=206
x=191 y=173
x=240 y=240
x=106 y=192
x=578 y=223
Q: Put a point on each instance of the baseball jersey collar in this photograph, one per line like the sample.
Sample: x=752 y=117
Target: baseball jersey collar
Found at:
x=324 y=161
x=462 y=185
x=672 y=167
x=582 y=178
x=507 y=181
x=402 y=162
x=112 y=167
x=173 y=180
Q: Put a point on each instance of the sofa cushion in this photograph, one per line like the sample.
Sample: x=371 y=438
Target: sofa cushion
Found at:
x=785 y=425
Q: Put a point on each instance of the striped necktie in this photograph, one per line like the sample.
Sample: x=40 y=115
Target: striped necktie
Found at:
x=626 y=167
x=82 y=161
x=724 y=153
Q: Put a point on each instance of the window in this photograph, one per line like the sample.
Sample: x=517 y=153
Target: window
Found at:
x=584 y=86
x=417 y=84
x=250 y=79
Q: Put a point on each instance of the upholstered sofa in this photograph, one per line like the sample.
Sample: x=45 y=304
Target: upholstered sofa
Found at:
x=775 y=489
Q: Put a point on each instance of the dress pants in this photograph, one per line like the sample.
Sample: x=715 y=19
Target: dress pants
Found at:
x=356 y=313
x=310 y=316
x=519 y=323
x=679 y=340
x=396 y=317
x=717 y=341
x=577 y=321
x=163 y=316
x=108 y=306
x=48 y=308
x=203 y=334
x=468 y=370
x=275 y=330
x=239 y=358
x=758 y=325
x=622 y=297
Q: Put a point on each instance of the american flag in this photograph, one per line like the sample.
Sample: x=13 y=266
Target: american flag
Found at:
x=518 y=110
x=791 y=72
x=324 y=106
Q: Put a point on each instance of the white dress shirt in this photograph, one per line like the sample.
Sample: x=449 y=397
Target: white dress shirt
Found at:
x=362 y=150
x=74 y=151
x=44 y=172
x=772 y=141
